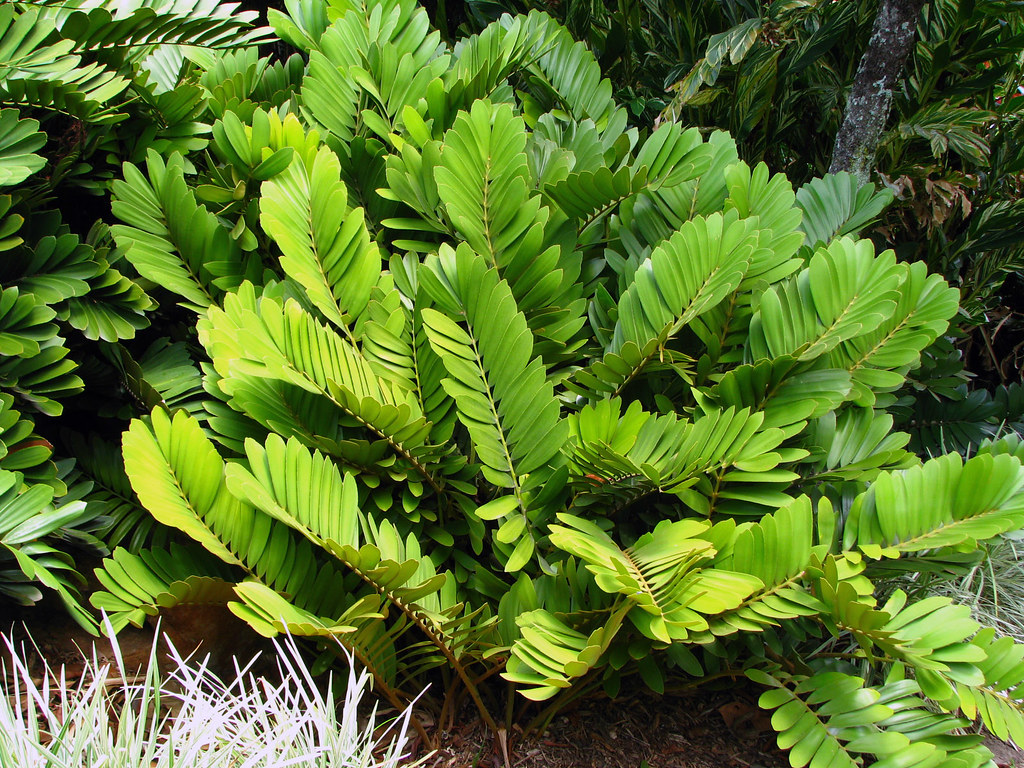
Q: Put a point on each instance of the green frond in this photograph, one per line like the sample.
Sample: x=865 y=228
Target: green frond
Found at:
x=754 y=192
x=24 y=451
x=945 y=502
x=660 y=575
x=484 y=182
x=483 y=63
x=179 y=477
x=786 y=391
x=170 y=238
x=48 y=74
x=879 y=359
x=777 y=551
x=832 y=719
x=567 y=77
x=19 y=140
x=33 y=359
x=28 y=520
x=115 y=309
x=325 y=246
x=844 y=292
x=500 y=390
x=100 y=469
x=139 y=585
x=670 y=156
x=837 y=204
x=998 y=700
x=240 y=80
x=75 y=280
x=686 y=275
x=855 y=445
x=486 y=188
x=138 y=23
x=255 y=339
x=549 y=654
x=663 y=452
x=303 y=24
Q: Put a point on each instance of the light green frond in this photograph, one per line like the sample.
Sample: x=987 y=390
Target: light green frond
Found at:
x=812 y=715
x=140 y=585
x=382 y=54
x=247 y=147
x=777 y=551
x=686 y=275
x=170 y=238
x=915 y=734
x=180 y=479
x=325 y=246
x=304 y=491
x=855 y=444
x=387 y=339
x=786 y=391
x=771 y=199
x=567 y=75
x=662 y=452
x=659 y=575
x=484 y=182
x=998 y=701
x=178 y=476
x=549 y=654
x=837 y=204
x=945 y=502
x=138 y=23
x=879 y=359
x=654 y=216
x=932 y=635
x=844 y=292
x=269 y=613
x=499 y=386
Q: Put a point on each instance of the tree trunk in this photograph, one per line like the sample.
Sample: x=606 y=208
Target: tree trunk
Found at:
x=892 y=39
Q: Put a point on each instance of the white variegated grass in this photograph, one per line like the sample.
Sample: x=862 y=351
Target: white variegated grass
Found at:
x=110 y=719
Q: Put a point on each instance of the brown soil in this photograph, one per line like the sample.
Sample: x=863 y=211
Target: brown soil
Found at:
x=717 y=730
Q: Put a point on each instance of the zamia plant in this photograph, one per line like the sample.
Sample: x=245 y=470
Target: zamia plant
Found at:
x=486 y=385
x=76 y=78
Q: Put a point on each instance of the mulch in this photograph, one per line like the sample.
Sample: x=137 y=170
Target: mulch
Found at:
x=711 y=730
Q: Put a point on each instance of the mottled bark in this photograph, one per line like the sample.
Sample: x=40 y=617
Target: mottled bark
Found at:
x=892 y=40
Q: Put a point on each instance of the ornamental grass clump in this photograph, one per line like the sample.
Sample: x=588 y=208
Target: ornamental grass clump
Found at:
x=114 y=718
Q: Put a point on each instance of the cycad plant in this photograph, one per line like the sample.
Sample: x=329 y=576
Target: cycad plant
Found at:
x=777 y=76
x=80 y=81
x=486 y=385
